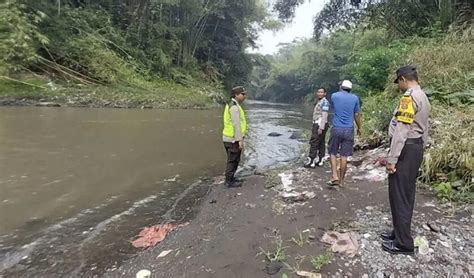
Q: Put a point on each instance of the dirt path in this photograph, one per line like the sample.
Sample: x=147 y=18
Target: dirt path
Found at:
x=234 y=227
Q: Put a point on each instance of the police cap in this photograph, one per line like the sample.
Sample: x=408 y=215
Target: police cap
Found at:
x=405 y=70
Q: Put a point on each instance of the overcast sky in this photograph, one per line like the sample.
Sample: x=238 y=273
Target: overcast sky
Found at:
x=301 y=27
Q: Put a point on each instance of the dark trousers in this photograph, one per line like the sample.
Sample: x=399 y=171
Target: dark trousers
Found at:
x=401 y=192
x=233 y=159
x=317 y=142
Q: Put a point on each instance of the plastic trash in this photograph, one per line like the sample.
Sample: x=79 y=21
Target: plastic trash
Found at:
x=423 y=246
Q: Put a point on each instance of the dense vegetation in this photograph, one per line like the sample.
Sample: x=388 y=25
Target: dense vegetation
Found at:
x=365 y=41
x=149 y=47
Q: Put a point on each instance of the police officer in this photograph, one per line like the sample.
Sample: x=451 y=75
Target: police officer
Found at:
x=409 y=132
x=235 y=129
x=320 y=127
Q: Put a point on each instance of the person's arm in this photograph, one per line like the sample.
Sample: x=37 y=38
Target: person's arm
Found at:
x=358 y=120
x=399 y=138
x=235 y=117
x=358 y=117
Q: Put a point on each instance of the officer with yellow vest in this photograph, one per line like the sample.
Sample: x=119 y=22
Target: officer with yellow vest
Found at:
x=235 y=129
x=409 y=135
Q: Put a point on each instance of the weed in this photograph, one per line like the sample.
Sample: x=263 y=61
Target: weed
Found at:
x=320 y=261
x=277 y=254
x=301 y=239
x=297 y=267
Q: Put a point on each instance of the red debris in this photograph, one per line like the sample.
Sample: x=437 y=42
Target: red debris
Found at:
x=151 y=236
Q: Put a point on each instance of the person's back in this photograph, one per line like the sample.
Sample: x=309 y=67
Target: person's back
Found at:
x=345 y=105
x=346 y=109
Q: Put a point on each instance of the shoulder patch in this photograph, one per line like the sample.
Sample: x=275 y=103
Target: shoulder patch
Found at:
x=406 y=110
x=325 y=105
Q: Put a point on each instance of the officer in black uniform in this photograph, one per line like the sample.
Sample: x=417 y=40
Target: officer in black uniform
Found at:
x=409 y=133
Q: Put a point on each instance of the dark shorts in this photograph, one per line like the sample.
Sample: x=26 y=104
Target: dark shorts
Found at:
x=341 y=141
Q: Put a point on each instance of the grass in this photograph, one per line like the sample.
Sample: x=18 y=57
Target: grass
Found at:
x=320 y=261
x=301 y=239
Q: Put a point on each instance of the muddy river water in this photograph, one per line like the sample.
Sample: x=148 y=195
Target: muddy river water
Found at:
x=77 y=184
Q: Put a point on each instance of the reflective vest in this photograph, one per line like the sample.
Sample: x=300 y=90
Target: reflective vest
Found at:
x=229 y=126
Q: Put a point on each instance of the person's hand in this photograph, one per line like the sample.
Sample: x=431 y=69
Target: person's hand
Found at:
x=359 y=133
x=391 y=168
x=241 y=145
x=320 y=131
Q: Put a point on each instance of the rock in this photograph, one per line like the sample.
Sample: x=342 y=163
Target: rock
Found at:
x=444 y=243
x=459 y=271
x=379 y=274
x=273 y=267
x=426 y=227
x=433 y=227
x=213 y=201
x=250 y=206
x=144 y=273
x=296 y=135
x=274 y=134
x=48 y=104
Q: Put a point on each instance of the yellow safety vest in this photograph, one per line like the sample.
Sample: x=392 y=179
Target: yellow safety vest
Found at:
x=229 y=126
x=406 y=109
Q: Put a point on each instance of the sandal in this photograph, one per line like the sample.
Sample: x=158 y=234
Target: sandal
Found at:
x=333 y=182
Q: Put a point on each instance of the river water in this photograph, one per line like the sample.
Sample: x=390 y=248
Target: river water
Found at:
x=77 y=184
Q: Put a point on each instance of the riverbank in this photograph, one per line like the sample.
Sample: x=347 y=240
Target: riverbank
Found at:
x=38 y=91
x=272 y=226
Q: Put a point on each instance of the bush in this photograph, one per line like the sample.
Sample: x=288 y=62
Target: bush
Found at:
x=446 y=67
x=450 y=159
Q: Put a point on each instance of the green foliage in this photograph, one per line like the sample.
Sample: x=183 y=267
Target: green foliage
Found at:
x=447 y=67
x=376 y=114
x=20 y=37
x=320 y=261
x=277 y=253
x=301 y=239
x=446 y=161
x=134 y=43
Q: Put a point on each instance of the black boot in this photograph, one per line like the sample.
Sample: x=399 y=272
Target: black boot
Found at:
x=230 y=183
x=392 y=248
x=388 y=235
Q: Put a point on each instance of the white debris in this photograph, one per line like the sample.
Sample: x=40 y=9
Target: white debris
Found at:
x=164 y=253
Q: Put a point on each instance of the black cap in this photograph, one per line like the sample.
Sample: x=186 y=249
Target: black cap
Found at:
x=238 y=90
x=405 y=70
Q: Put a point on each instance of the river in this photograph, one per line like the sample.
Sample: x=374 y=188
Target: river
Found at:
x=77 y=184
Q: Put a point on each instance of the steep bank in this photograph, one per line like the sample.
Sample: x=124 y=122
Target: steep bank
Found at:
x=40 y=91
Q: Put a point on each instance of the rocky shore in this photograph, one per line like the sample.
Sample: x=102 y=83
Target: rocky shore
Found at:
x=277 y=222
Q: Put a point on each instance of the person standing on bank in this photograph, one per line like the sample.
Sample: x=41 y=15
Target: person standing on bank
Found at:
x=346 y=109
x=235 y=129
x=320 y=127
x=409 y=135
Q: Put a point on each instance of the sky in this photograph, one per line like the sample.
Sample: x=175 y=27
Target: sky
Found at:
x=301 y=27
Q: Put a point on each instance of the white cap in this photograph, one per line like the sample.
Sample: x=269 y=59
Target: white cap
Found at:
x=346 y=84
